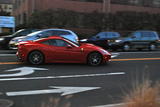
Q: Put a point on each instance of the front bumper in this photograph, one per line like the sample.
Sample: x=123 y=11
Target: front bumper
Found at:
x=106 y=58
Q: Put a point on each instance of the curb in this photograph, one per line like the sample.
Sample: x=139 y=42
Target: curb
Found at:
x=112 y=105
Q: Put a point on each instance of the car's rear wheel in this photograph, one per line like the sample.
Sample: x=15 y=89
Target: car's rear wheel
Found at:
x=36 y=57
x=152 y=47
x=95 y=59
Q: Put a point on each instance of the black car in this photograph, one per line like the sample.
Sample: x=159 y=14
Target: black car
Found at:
x=4 y=40
x=138 y=40
x=103 y=39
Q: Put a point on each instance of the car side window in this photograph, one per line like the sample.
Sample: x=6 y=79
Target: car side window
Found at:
x=136 y=35
x=44 y=34
x=23 y=33
x=58 y=42
x=46 y=42
x=148 y=34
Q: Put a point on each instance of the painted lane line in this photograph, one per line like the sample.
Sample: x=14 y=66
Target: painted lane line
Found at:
x=23 y=71
x=7 y=55
x=135 y=59
x=60 y=90
x=10 y=63
x=129 y=59
x=154 y=52
x=62 y=77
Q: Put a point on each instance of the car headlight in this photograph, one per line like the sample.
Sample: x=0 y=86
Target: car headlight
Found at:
x=20 y=40
x=1 y=39
x=118 y=40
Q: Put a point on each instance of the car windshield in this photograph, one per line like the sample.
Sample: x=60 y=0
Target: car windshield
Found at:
x=72 y=42
x=17 y=33
x=34 y=33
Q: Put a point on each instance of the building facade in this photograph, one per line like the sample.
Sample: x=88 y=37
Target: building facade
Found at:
x=24 y=8
x=6 y=6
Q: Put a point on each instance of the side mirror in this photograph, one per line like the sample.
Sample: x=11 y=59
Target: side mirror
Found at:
x=69 y=46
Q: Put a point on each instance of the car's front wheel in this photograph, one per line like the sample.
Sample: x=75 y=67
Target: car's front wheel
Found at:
x=95 y=59
x=36 y=57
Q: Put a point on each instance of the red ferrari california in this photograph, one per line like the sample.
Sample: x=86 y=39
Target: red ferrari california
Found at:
x=57 y=49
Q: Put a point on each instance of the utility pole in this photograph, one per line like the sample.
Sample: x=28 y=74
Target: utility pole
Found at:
x=33 y=6
x=106 y=9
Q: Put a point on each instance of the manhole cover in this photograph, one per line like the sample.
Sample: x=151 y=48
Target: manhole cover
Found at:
x=6 y=103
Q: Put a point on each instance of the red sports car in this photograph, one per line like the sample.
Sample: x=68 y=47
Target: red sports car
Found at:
x=60 y=50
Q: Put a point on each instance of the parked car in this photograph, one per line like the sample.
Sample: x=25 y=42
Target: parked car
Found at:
x=103 y=39
x=4 y=40
x=44 y=34
x=57 y=49
x=138 y=40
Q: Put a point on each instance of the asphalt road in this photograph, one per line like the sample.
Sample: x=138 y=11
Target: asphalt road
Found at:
x=51 y=84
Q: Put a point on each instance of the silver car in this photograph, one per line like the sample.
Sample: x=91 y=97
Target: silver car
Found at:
x=68 y=34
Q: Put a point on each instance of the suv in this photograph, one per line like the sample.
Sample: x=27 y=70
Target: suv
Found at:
x=68 y=34
x=138 y=40
x=103 y=39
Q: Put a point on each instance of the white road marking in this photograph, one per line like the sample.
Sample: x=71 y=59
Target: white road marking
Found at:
x=7 y=54
x=61 y=90
x=23 y=71
x=63 y=77
x=139 y=52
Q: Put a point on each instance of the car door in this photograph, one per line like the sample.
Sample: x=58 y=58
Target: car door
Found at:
x=64 y=52
x=136 y=40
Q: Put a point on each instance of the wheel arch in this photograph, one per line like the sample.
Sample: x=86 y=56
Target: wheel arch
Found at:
x=93 y=52
x=35 y=50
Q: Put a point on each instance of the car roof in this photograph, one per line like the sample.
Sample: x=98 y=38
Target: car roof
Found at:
x=145 y=31
x=55 y=29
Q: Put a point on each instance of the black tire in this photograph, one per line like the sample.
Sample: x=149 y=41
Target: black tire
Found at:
x=94 y=59
x=152 y=47
x=35 y=58
x=126 y=47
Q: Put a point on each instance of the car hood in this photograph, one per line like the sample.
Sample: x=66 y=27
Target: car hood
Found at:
x=7 y=36
x=88 y=45
x=18 y=38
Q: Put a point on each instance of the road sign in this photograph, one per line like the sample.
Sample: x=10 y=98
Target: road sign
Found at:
x=7 y=21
